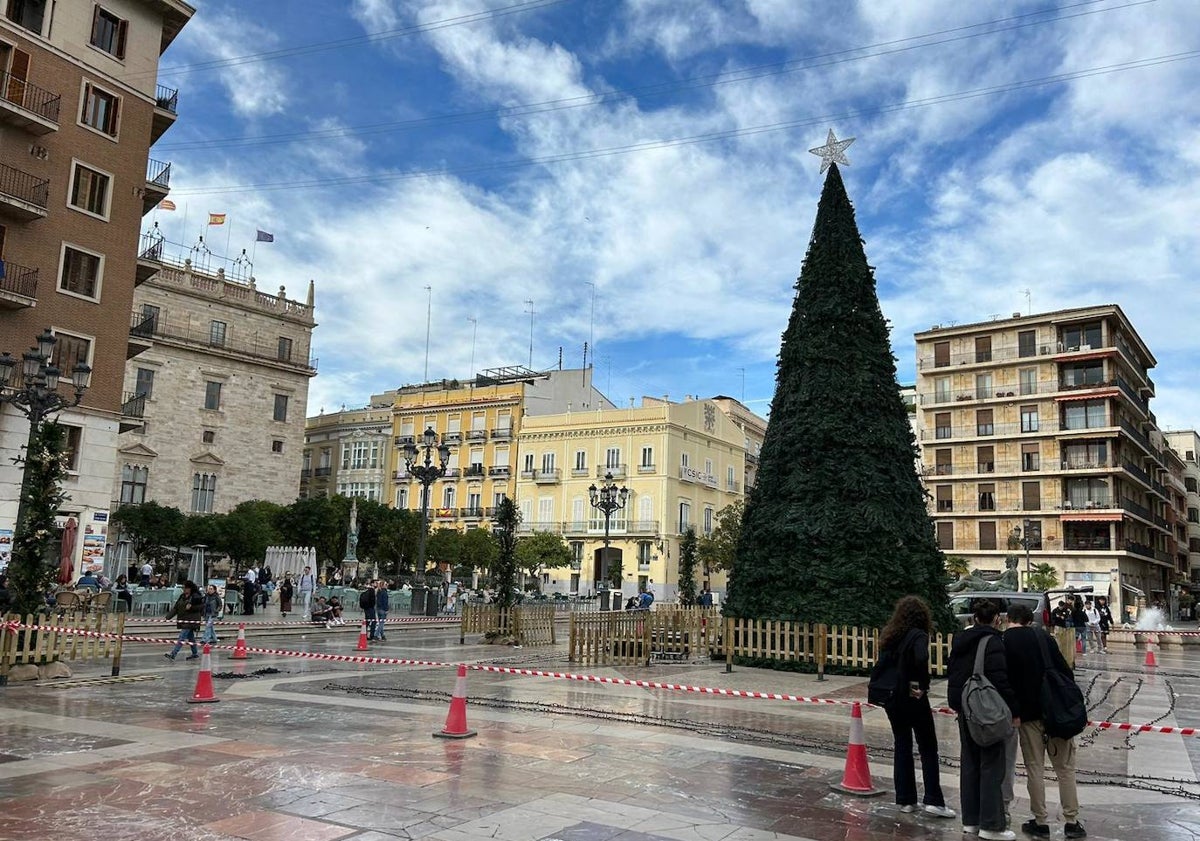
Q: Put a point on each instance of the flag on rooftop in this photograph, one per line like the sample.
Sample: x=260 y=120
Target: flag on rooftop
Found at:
x=263 y=236
x=166 y=204
x=216 y=218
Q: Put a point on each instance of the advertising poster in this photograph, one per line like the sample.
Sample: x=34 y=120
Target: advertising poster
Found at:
x=6 y=545
x=93 y=552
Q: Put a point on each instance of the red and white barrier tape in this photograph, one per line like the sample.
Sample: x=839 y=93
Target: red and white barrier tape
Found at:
x=611 y=681
x=409 y=620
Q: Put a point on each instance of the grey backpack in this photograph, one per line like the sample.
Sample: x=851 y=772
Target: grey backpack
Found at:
x=989 y=720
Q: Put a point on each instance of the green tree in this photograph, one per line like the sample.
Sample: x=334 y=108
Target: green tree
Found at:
x=32 y=568
x=1042 y=577
x=717 y=551
x=153 y=531
x=396 y=547
x=687 y=567
x=315 y=522
x=245 y=532
x=836 y=528
x=444 y=546
x=504 y=569
x=542 y=550
x=958 y=566
x=478 y=551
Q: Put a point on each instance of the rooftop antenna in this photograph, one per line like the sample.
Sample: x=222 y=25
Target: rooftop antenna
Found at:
x=428 y=321
x=1028 y=302
x=474 y=331
x=532 y=312
x=592 y=323
x=743 y=370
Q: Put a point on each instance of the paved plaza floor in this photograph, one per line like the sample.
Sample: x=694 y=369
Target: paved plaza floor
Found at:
x=324 y=750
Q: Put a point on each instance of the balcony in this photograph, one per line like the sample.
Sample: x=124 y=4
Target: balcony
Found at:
x=1139 y=549
x=646 y=468
x=451 y=473
x=18 y=285
x=157 y=186
x=444 y=513
x=548 y=477
x=617 y=471
x=133 y=411
x=401 y=476
x=322 y=472
x=1087 y=544
x=404 y=440
x=528 y=474
x=580 y=472
x=454 y=437
x=141 y=334
x=305 y=473
x=22 y=196
x=471 y=513
x=1134 y=398
x=166 y=110
x=27 y=106
x=504 y=433
x=733 y=486
x=474 y=470
x=477 y=435
x=642 y=527
x=1087 y=464
x=500 y=471
x=1097 y=500
x=965 y=429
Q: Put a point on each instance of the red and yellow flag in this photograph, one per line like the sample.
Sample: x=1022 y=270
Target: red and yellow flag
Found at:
x=216 y=219
x=166 y=204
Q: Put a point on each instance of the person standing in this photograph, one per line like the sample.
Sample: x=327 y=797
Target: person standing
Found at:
x=1026 y=651
x=706 y=597
x=982 y=767
x=212 y=610
x=306 y=586
x=1079 y=620
x=366 y=601
x=187 y=613
x=1093 y=624
x=147 y=571
x=249 y=588
x=905 y=641
x=286 y=591
x=1106 y=622
x=382 y=599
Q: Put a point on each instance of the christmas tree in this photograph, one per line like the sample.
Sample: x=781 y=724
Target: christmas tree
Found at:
x=836 y=528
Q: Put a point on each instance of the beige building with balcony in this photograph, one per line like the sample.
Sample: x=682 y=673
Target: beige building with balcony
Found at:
x=681 y=463
x=1186 y=443
x=347 y=453
x=1043 y=423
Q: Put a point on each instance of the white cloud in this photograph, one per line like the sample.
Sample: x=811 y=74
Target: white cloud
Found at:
x=255 y=89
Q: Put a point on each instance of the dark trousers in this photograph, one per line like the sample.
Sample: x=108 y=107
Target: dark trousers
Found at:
x=909 y=716
x=981 y=781
x=248 y=599
x=369 y=615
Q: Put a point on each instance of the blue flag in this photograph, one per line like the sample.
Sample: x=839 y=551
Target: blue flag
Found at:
x=263 y=236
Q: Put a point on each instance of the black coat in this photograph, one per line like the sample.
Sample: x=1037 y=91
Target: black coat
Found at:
x=962 y=664
x=914 y=660
x=1027 y=667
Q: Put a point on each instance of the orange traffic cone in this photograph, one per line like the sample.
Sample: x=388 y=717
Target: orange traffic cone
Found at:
x=239 y=648
x=362 y=636
x=203 y=693
x=1150 y=660
x=856 y=779
x=1078 y=645
x=456 y=720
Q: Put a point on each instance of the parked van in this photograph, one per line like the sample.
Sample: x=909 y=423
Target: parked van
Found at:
x=963 y=604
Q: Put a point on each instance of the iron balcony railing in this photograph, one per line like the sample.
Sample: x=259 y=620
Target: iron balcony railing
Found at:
x=306 y=473
x=266 y=350
x=24 y=186
x=503 y=433
x=1139 y=549
x=18 y=279
x=159 y=173
x=477 y=435
x=142 y=326
x=322 y=471
x=471 y=513
x=133 y=405
x=42 y=102
x=166 y=98
x=499 y=470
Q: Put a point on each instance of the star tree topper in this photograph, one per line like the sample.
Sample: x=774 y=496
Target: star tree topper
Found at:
x=833 y=152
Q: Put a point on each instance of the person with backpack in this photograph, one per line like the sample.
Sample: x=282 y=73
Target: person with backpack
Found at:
x=900 y=684
x=366 y=601
x=1052 y=712
x=978 y=689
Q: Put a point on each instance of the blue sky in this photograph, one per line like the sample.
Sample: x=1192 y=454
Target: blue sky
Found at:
x=445 y=143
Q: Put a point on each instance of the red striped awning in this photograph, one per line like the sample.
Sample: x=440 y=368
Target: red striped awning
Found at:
x=1091 y=516
x=1087 y=395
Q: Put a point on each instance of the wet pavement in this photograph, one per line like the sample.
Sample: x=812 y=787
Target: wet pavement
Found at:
x=325 y=750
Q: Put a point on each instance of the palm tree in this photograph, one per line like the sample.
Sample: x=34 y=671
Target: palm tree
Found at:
x=958 y=566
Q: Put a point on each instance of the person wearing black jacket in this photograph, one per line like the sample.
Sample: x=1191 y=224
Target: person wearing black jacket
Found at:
x=1080 y=621
x=981 y=772
x=187 y=613
x=1025 y=649
x=366 y=600
x=1106 y=622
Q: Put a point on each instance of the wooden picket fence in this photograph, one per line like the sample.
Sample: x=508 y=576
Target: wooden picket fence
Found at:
x=531 y=624
x=632 y=638
x=33 y=645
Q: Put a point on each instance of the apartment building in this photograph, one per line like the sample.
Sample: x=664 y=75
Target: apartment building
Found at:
x=1186 y=443
x=480 y=420
x=1042 y=423
x=680 y=462
x=80 y=108
x=347 y=453
x=222 y=381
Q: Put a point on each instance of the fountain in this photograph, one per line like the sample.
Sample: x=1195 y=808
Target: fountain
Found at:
x=1152 y=619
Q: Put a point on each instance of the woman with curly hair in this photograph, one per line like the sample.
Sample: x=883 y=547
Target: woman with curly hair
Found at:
x=905 y=639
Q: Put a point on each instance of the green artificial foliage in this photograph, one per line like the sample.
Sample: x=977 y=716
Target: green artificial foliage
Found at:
x=504 y=569
x=32 y=570
x=687 y=567
x=836 y=528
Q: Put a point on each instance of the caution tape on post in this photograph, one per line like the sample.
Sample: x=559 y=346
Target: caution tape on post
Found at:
x=584 y=678
x=413 y=620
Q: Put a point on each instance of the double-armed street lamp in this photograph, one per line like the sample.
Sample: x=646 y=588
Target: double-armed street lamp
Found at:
x=607 y=499
x=423 y=468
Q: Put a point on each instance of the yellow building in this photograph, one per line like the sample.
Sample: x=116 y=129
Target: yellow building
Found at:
x=347 y=452
x=681 y=463
x=480 y=420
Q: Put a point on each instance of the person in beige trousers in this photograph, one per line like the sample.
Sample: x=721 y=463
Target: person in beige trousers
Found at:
x=1027 y=667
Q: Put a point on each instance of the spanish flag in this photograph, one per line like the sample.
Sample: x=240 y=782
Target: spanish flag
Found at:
x=216 y=219
x=166 y=204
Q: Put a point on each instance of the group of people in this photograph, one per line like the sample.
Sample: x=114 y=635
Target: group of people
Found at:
x=1017 y=663
x=1089 y=620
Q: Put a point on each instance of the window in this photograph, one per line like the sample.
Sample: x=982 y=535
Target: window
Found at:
x=73 y=440
x=69 y=351
x=1193 y=515
x=448 y=496
x=528 y=466
x=208 y=436
x=945 y=497
x=28 y=14
x=1190 y=484
x=1082 y=336
x=647 y=457
x=983 y=349
x=1027 y=380
x=204 y=492
x=941 y=354
x=1083 y=374
x=216 y=333
x=684 y=460
x=1031 y=496
x=100 y=109
x=644 y=551
x=212 y=395
x=985 y=459
x=401 y=498
x=109 y=32
x=133 y=484
x=941 y=390
x=547 y=462
x=153 y=315
x=277 y=446
x=984 y=422
x=89 y=190
x=1088 y=414
x=943 y=462
x=941 y=425
x=360 y=455
x=983 y=386
x=708 y=520
x=284 y=353
x=580 y=460
x=685 y=516
x=987 y=535
x=1026 y=343
x=1033 y=531
x=281 y=407
x=576 y=552
x=1085 y=455
x=945 y=535
x=1031 y=457
x=145 y=382
x=81 y=271
x=730 y=478
x=612 y=458
x=475 y=501
x=1029 y=418
x=987 y=499
x=1087 y=493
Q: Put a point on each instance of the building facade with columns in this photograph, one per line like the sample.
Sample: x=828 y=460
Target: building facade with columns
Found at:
x=347 y=453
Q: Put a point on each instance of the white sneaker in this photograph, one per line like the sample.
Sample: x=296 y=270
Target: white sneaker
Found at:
x=940 y=811
x=909 y=808
x=998 y=834
x=970 y=830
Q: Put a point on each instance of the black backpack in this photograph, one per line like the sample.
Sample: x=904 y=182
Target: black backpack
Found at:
x=366 y=599
x=1064 y=712
x=888 y=679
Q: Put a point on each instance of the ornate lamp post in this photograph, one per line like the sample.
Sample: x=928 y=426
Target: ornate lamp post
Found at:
x=37 y=398
x=606 y=499
x=426 y=471
x=1023 y=540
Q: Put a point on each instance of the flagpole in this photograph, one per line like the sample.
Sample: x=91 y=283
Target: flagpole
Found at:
x=228 y=234
x=183 y=236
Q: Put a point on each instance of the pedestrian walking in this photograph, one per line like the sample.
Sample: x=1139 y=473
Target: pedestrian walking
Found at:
x=187 y=613
x=982 y=767
x=286 y=590
x=1106 y=621
x=902 y=680
x=382 y=600
x=212 y=610
x=306 y=586
x=1026 y=651
x=1079 y=621
x=1093 y=624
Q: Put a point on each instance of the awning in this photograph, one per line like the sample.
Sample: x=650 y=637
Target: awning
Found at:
x=1132 y=589
x=1091 y=516
x=1087 y=395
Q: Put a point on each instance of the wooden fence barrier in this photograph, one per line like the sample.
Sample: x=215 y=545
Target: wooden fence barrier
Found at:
x=530 y=624
x=635 y=637
x=32 y=645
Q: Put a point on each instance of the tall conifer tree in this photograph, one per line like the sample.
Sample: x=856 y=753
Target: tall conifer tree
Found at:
x=836 y=528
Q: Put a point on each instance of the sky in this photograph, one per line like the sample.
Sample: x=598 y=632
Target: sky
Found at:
x=635 y=174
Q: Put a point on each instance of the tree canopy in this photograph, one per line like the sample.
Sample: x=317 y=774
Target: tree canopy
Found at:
x=542 y=549
x=717 y=551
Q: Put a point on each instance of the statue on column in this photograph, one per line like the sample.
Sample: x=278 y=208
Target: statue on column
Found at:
x=352 y=535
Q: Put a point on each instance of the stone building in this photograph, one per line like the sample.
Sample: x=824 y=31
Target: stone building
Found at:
x=348 y=452
x=80 y=108
x=1186 y=443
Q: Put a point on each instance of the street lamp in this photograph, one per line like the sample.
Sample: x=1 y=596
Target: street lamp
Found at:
x=37 y=397
x=606 y=499
x=425 y=471
x=1023 y=540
